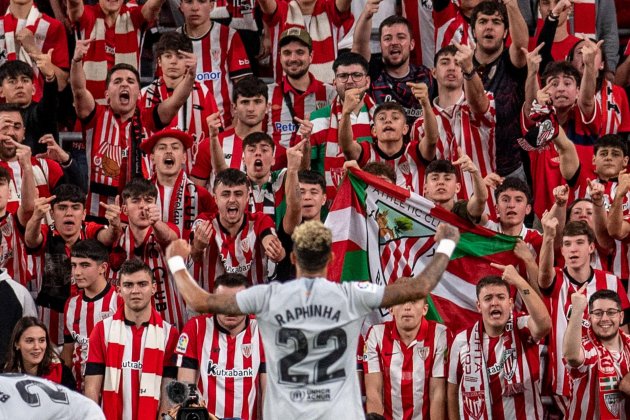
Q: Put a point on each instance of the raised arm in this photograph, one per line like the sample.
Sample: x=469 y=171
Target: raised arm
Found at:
x=217 y=158
x=569 y=160
x=473 y=86
x=419 y=287
x=349 y=147
x=33 y=236
x=84 y=102
x=151 y=9
x=518 y=33
x=428 y=143
x=572 y=342
x=196 y=298
x=28 y=189
x=293 y=214
x=539 y=323
x=268 y=7
x=559 y=211
x=532 y=86
x=110 y=236
x=49 y=70
x=168 y=109
x=618 y=228
x=600 y=217
x=363 y=30
x=546 y=272
x=588 y=86
x=524 y=253
x=477 y=202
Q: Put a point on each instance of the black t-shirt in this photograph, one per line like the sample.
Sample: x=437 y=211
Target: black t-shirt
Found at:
x=507 y=84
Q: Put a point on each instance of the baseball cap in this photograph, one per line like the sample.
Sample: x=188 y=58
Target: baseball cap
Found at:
x=295 y=34
x=186 y=139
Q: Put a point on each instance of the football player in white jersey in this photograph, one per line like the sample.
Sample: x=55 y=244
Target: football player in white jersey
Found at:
x=310 y=326
x=30 y=397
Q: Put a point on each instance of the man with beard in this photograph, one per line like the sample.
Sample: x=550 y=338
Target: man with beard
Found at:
x=180 y=200
x=390 y=79
x=297 y=95
x=503 y=73
x=175 y=98
x=116 y=30
x=235 y=241
x=494 y=367
x=50 y=248
x=597 y=361
x=558 y=284
x=231 y=376
x=46 y=172
x=249 y=107
x=351 y=72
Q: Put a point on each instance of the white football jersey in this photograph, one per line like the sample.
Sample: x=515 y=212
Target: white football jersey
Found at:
x=310 y=331
x=32 y=398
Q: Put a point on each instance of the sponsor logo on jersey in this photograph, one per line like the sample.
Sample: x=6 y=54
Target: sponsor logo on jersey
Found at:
x=244 y=62
x=182 y=343
x=79 y=339
x=208 y=75
x=4 y=397
x=284 y=128
x=132 y=365
x=310 y=395
x=215 y=370
x=105 y=315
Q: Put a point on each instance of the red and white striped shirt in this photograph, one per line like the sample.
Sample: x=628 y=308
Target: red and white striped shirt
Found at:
x=81 y=315
x=12 y=252
x=51 y=261
x=232 y=153
x=108 y=151
x=166 y=300
x=242 y=254
x=459 y=126
x=115 y=44
x=46 y=173
x=280 y=123
x=49 y=34
x=586 y=382
x=408 y=163
x=229 y=366
x=452 y=26
x=221 y=59
x=420 y=16
x=524 y=405
x=406 y=370
x=326 y=25
x=613 y=101
x=191 y=117
x=558 y=301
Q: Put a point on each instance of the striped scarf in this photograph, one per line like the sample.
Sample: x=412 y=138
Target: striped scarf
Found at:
x=476 y=399
x=152 y=358
x=609 y=374
x=184 y=206
x=127 y=41
x=11 y=25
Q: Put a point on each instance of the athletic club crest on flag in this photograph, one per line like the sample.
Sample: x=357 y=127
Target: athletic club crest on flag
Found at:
x=246 y=349
x=613 y=401
x=474 y=404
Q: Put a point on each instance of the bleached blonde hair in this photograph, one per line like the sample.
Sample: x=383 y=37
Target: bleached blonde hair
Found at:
x=312 y=242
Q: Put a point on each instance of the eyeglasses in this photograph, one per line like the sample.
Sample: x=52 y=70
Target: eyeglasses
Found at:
x=356 y=76
x=610 y=313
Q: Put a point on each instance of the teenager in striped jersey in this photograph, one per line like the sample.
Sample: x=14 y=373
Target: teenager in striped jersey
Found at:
x=223 y=355
x=494 y=367
x=597 y=361
x=405 y=365
x=96 y=301
x=558 y=283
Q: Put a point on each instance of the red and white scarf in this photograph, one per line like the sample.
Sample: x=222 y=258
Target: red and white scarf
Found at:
x=11 y=25
x=152 y=356
x=184 y=206
x=609 y=374
x=476 y=399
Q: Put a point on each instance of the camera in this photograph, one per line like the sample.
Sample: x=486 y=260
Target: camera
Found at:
x=186 y=395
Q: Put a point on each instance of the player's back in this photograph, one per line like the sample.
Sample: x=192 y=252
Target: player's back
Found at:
x=33 y=398
x=310 y=330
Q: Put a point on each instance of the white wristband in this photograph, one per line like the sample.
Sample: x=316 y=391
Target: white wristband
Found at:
x=177 y=263
x=446 y=247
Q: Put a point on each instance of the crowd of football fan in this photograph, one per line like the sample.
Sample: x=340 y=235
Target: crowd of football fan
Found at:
x=241 y=124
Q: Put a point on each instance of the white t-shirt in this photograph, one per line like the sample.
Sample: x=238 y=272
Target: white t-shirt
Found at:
x=310 y=330
x=32 y=398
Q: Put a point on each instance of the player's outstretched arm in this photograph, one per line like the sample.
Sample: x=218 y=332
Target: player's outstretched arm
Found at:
x=196 y=298
x=421 y=285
